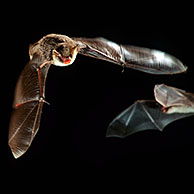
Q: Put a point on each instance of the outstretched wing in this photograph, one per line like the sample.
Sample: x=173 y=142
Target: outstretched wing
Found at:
x=169 y=96
x=142 y=115
x=142 y=59
x=27 y=106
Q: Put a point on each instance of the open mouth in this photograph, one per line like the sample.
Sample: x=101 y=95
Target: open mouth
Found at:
x=60 y=59
x=66 y=60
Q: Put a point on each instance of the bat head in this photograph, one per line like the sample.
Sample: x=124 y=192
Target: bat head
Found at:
x=59 y=49
x=64 y=54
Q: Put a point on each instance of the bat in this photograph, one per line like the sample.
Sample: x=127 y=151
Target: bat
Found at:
x=60 y=50
x=170 y=104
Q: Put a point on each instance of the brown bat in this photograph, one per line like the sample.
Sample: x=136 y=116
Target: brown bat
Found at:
x=61 y=50
x=171 y=104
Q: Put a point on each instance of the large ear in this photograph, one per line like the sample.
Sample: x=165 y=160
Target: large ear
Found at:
x=33 y=48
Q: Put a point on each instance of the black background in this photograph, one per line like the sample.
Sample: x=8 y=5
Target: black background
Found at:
x=85 y=97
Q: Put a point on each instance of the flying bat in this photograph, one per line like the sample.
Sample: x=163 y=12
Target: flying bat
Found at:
x=61 y=51
x=170 y=105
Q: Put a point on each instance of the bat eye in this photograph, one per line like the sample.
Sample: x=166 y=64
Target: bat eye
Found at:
x=63 y=50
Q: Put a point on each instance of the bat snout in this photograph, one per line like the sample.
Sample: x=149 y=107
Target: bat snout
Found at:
x=64 y=55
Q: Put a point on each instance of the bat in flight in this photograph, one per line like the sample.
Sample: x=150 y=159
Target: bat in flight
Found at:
x=170 y=105
x=61 y=50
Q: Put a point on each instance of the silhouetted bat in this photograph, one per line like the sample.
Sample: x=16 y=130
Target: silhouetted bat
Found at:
x=61 y=50
x=172 y=104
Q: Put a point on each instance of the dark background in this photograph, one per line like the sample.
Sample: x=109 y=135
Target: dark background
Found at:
x=85 y=97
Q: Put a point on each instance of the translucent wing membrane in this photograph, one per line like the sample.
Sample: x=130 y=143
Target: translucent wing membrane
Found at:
x=27 y=106
x=142 y=59
x=142 y=115
x=24 y=125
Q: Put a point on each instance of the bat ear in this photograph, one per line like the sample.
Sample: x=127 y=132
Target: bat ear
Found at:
x=33 y=48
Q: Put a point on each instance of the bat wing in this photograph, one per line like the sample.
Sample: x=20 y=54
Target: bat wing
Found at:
x=142 y=115
x=142 y=59
x=27 y=106
x=169 y=96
